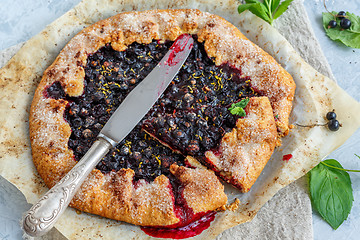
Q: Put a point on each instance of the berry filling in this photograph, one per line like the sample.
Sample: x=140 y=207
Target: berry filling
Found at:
x=109 y=76
x=191 y=230
x=55 y=91
x=191 y=116
x=191 y=132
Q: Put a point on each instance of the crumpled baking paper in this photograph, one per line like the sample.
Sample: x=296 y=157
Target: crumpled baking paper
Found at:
x=315 y=96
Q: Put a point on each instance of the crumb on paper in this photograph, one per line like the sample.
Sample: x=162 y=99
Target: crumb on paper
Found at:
x=232 y=207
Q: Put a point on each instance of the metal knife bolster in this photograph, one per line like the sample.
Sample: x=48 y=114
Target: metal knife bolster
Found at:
x=139 y=101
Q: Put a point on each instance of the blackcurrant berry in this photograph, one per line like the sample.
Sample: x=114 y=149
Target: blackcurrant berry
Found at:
x=330 y=115
x=333 y=125
x=332 y=24
x=345 y=23
x=341 y=15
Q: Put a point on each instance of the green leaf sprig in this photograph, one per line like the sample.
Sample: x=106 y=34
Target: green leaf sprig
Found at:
x=331 y=192
x=350 y=37
x=269 y=10
x=238 y=108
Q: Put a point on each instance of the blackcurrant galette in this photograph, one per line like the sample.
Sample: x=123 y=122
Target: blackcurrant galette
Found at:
x=150 y=178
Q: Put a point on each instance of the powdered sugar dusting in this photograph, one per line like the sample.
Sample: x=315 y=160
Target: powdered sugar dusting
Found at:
x=153 y=196
x=201 y=188
x=52 y=123
x=130 y=22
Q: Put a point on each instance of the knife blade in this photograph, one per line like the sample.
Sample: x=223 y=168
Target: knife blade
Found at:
x=142 y=98
x=43 y=215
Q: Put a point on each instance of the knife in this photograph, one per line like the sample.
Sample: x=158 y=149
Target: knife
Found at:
x=42 y=216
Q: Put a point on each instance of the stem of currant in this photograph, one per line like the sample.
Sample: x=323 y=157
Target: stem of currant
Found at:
x=311 y=125
x=329 y=11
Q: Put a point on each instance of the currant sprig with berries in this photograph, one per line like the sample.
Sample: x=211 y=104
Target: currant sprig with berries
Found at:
x=333 y=124
x=342 y=26
x=345 y=23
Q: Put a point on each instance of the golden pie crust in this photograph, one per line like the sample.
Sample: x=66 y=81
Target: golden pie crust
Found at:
x=114 y=195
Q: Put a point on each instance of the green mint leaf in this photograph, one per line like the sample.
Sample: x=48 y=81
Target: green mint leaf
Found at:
x=252 y=1
x=238 y=111
x=261 y=11
x=267 y=10
x=355 y=22
x=242 y=103
x=244 y=7
x=350 y=37
x=267 y=4
x=331 y=192
x=282 y=8
x=274 y=5
x=238 y=108
x=256 y=8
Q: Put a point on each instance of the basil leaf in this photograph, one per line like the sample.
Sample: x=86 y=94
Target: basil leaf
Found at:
x=340 y=169
x=282 y=8
x=331 y=192
x=350 y=37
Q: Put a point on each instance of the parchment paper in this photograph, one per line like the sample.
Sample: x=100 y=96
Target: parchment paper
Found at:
x=286 y=215
x=311 y=104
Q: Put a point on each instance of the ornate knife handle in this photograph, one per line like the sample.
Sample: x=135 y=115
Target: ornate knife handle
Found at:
x=42 y=215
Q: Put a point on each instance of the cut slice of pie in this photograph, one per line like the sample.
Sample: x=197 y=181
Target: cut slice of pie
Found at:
x=244 y=152
x=147 y=180
x=237 y=156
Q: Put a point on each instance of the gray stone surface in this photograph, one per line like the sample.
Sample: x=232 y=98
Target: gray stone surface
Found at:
x=288 y=214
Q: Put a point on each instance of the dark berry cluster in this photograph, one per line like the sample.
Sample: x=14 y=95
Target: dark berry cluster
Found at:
x=109 y=76
x=191 y=116
x=55 y=91
x=345 y=23
x=333 y=124
x=192 y=132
